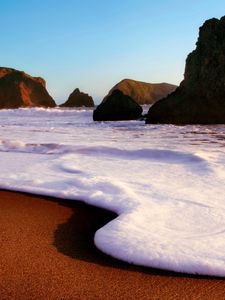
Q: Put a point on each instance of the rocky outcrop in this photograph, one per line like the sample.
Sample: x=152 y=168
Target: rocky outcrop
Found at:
x=142 y=92
x=78 y=99
x=200 y=98
x=18 y=89
x=117 y=106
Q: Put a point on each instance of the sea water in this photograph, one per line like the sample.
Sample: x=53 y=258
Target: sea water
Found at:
x=165 y=182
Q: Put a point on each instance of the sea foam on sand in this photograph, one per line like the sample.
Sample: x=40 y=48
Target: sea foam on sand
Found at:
x=164 y=182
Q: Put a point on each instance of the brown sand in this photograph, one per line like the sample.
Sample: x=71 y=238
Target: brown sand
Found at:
x=47 y=252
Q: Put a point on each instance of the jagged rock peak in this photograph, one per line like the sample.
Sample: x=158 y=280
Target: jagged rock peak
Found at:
x=78 y=99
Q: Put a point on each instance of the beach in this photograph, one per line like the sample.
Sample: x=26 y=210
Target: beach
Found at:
x=47 y=252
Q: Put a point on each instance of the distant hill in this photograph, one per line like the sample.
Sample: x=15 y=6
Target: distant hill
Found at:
x=143 y=92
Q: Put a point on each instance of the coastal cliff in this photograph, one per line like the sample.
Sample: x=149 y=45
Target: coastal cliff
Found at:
x=18 y=89
x=200 y=98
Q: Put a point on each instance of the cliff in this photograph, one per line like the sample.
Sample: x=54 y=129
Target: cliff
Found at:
x=18 y=89
x=200 y=98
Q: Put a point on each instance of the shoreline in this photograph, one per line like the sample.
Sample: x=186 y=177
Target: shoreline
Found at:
x=47 y=252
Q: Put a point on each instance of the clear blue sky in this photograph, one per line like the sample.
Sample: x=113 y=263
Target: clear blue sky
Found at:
x=93 y=44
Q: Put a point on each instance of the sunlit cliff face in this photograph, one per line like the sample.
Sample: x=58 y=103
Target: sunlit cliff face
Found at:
x=25 y=94
x=18 y=89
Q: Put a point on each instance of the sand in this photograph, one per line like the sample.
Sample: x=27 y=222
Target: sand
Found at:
x=47 y=252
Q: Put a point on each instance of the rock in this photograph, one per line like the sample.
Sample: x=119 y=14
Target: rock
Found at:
x=142 y=92
x=5 y=71
x=78 y=99
x=200 y=98
x=18 y=89
x=117 y=106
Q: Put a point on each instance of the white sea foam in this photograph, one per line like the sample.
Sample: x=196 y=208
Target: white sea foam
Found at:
x=164 y=182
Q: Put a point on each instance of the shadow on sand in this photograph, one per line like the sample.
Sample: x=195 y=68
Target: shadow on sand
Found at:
x=75 y=237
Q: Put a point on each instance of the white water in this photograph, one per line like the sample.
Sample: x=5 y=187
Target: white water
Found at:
x=165 y=182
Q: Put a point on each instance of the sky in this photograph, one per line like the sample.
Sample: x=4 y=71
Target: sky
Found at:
x=93 y=44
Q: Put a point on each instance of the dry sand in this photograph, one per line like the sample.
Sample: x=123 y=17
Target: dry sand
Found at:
x=47 y=252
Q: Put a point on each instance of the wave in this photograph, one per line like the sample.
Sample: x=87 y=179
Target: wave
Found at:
x=164 y=182
x=143 y=154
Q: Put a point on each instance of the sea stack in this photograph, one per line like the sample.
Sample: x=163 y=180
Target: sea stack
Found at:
x=78 y=99
x=18 y=89
x=117 y=107
x=143 y=92
x=200 y=98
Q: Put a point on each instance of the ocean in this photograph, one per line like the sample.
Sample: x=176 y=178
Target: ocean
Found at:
x=165 y=182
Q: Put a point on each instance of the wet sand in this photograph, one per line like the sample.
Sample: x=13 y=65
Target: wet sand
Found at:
x=47 y=252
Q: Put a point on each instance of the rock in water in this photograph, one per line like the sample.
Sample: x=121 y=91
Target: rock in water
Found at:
x=18 y=89
x=78 y=99
x=116 y=107
x=143 y=92
x=200 y=98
